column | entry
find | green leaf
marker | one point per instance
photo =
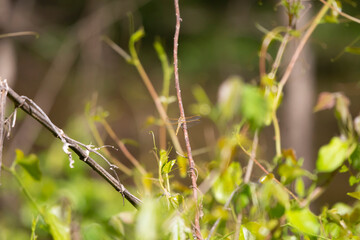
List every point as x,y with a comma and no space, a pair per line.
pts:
355,158
254,106
289,173
168,166
148,220
332,155
178,228
300,187
354,195
304,221
253,231
333,230
353,50
271,191
229,98
353,180
94,232
29,163
59,228
227,182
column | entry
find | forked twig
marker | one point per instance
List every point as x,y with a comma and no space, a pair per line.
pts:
182,116
34,111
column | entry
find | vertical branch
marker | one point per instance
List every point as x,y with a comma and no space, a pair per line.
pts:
3,93
252,157
182,116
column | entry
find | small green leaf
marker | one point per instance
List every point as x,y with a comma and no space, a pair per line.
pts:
354,195
304,221
168,166
164,157
332,155
300,187
353,180
29,163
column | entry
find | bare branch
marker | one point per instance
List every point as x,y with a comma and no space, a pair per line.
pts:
182,116
34,111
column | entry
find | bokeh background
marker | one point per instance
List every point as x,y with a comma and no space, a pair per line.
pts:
68,65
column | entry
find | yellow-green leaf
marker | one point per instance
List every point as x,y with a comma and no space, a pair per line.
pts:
332,155
304,221
29,163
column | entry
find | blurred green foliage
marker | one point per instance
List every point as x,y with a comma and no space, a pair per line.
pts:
42,198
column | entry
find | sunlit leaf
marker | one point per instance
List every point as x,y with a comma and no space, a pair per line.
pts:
353,180
117,225
342,108
182,163
58,226
288,173
242,198
354,195
326,100
148,220
178,228
167,167
266,178
304,221
353,50
273,191
229,98
29,163
177,200
357,125
253,231
332,155
333,230
254,106
164,156
147,181
289,153
300,187
227,182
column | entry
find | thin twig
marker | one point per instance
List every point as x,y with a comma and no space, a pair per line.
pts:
123,148
298,50
342,13
267,173
182,116
28,106
289,69
19,34
252,157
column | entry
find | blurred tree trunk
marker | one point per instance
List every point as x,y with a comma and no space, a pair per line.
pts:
7,53
297,119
